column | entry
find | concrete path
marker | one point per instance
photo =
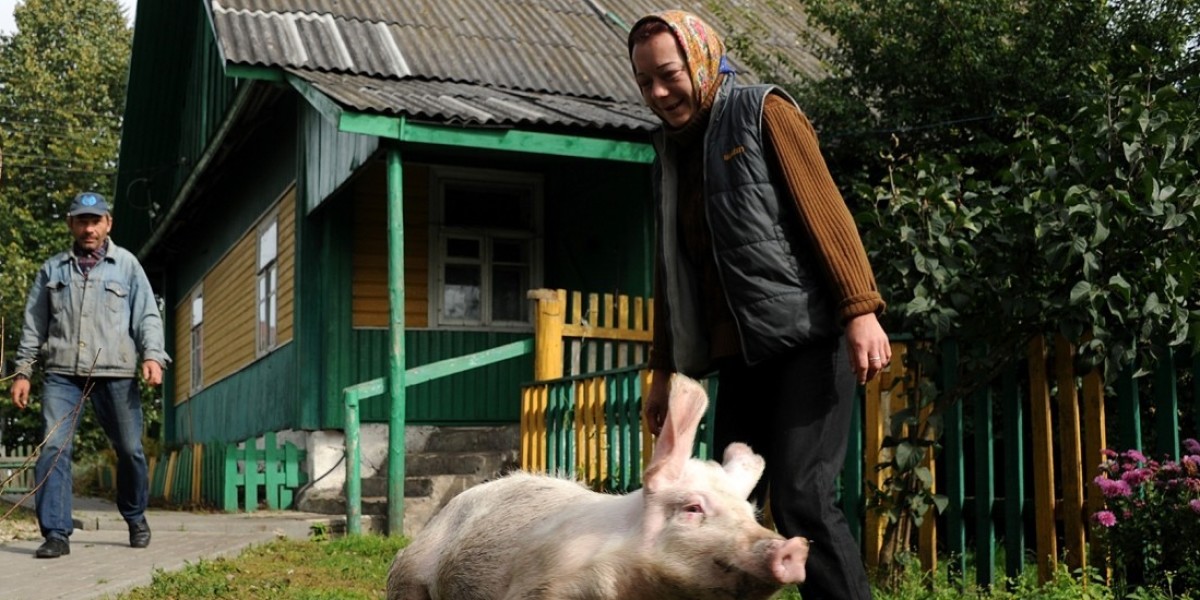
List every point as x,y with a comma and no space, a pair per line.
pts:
102,564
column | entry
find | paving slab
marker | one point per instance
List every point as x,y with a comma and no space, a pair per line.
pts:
102,565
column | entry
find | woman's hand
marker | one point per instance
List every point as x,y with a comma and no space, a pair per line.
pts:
868,345
654,406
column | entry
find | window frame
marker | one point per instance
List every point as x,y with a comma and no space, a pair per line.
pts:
196,341
440,234
264,344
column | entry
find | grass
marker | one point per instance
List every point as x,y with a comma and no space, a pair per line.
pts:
355,567
348,568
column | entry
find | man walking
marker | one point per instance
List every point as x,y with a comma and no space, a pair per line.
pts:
91,313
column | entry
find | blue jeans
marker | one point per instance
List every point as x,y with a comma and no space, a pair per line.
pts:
118,407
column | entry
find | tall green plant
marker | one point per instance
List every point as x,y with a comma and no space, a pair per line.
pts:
1090,229
62,97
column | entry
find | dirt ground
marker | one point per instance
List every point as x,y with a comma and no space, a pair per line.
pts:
19,524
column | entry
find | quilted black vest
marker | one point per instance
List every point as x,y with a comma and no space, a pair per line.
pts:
773,286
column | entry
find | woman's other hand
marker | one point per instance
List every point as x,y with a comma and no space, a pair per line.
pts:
868,345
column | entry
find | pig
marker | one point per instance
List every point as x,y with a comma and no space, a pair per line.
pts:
689,533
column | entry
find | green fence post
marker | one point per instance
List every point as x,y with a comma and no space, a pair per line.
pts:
251,478
1129,412
985,491
1166,405
291,474
1014,474
633,417
852,469
272,473
952,421
229,501
1196,391
181,487
614,394
158,478
557,431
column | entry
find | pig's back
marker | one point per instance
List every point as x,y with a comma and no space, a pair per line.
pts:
467,549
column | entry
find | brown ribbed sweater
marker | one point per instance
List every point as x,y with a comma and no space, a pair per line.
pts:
833,237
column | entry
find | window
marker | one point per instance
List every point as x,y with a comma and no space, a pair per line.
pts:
487,248
197,356
268,284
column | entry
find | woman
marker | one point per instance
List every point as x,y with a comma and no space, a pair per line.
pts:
761,277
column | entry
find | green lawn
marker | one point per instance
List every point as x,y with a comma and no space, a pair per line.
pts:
355,567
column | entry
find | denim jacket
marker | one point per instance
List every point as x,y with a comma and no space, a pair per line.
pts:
96,325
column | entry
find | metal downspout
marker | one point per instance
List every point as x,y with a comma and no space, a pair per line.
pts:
396,374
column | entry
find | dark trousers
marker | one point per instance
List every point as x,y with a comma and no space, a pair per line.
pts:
795,411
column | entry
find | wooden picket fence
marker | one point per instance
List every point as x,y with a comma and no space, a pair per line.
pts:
580,340
1031,472
230,477
16,469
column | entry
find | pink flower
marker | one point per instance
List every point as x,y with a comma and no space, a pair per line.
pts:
1136,477
1109,453
1105,518
1113,488
1195,505
1191,446
1134,455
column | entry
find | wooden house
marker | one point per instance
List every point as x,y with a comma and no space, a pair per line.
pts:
291,170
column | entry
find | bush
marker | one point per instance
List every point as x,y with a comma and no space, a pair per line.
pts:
1151,521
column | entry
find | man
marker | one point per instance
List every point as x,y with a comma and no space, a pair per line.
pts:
91,313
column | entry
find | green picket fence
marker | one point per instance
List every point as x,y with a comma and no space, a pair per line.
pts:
1017,457
16,469
230,477
589,427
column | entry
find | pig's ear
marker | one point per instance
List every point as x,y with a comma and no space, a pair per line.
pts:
744,468
686,407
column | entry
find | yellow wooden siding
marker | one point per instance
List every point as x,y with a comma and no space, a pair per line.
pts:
229,311
370,278
287,267
230,304
181,356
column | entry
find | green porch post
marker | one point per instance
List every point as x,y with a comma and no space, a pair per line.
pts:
396,376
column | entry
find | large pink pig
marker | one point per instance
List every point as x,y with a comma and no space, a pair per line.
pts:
688,534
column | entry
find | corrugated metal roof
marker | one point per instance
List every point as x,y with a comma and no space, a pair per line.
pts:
456,102
535,46
554,62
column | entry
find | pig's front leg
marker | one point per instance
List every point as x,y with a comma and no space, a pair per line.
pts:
403,581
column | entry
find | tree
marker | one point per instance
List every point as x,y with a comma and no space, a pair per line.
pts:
62,96
930,76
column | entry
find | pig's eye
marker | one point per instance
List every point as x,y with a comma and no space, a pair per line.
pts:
694,508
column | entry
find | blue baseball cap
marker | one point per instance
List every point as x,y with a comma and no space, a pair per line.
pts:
88,203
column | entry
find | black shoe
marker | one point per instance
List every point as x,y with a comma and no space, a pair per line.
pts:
53,548
139,534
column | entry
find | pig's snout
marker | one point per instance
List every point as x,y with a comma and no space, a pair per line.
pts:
787,560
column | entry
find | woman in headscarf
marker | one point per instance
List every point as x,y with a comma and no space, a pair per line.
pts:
761,277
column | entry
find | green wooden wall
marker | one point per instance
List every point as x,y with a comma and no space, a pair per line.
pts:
257,399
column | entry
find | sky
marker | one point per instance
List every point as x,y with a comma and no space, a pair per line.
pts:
7,25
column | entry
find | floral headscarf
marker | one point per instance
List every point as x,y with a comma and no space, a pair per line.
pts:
702,48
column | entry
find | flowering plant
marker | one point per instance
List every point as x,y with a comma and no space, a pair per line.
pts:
1151,521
